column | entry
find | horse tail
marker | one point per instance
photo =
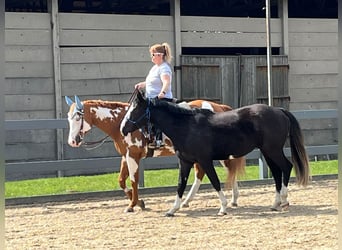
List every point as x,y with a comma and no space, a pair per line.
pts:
299,155
235,168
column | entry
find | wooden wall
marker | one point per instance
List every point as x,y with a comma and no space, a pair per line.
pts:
103,56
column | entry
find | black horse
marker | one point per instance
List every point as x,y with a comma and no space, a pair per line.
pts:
202,136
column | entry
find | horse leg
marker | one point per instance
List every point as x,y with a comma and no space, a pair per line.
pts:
132,165
277,176
183,176
286,168
235,167
199,174
123,177
214,180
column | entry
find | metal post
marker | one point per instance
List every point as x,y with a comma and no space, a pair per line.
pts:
269,53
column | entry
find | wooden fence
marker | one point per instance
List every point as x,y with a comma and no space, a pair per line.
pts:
38,169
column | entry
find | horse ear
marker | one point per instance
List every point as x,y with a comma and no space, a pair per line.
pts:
68,100
79,104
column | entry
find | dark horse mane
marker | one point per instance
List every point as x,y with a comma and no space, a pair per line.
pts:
176,109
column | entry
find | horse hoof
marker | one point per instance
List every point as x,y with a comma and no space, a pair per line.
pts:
169,215
129,210
142,204
222,213
234,204
285,206
185,205
274,209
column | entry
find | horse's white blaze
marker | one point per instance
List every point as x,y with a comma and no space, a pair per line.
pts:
132,166
192,192
104,113
74,129
207,105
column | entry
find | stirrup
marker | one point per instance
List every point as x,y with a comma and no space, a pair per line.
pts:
156,144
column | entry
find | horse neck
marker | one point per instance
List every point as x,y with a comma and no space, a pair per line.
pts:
165,121
105,116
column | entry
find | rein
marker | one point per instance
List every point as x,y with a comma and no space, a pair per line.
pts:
100,142
147,114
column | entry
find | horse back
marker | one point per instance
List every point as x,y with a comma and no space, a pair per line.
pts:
213,106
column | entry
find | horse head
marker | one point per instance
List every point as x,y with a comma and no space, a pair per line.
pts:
77,125
138,114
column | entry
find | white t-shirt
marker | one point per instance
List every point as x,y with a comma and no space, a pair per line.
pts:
154,83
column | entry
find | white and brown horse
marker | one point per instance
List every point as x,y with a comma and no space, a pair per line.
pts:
107,116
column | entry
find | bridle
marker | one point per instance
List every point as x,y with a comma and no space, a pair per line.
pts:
81,134
146,115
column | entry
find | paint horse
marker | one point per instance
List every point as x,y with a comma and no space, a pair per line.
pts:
203,136
107,116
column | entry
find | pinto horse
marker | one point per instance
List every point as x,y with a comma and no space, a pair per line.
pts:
107,116
203,136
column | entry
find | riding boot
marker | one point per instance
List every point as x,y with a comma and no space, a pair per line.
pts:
158,140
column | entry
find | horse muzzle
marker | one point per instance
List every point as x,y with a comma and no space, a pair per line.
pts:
76,142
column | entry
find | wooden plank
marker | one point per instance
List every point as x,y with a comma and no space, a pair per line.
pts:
298,105
202,39
314,95
28,114
22,53
106,150
313,53
57,74
28,69
36,124
313,67
105,54
104,70
113,38
312,39
30,151
29,102
313,114
228,24
100,86
28,37
327,124
27,86
230,80
73,21
316,25
26,20
313,81
15,136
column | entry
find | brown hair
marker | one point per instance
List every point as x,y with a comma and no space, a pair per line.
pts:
162,48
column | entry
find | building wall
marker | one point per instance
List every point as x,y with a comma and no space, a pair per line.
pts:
103,56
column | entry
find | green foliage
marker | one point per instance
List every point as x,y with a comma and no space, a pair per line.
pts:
155,178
